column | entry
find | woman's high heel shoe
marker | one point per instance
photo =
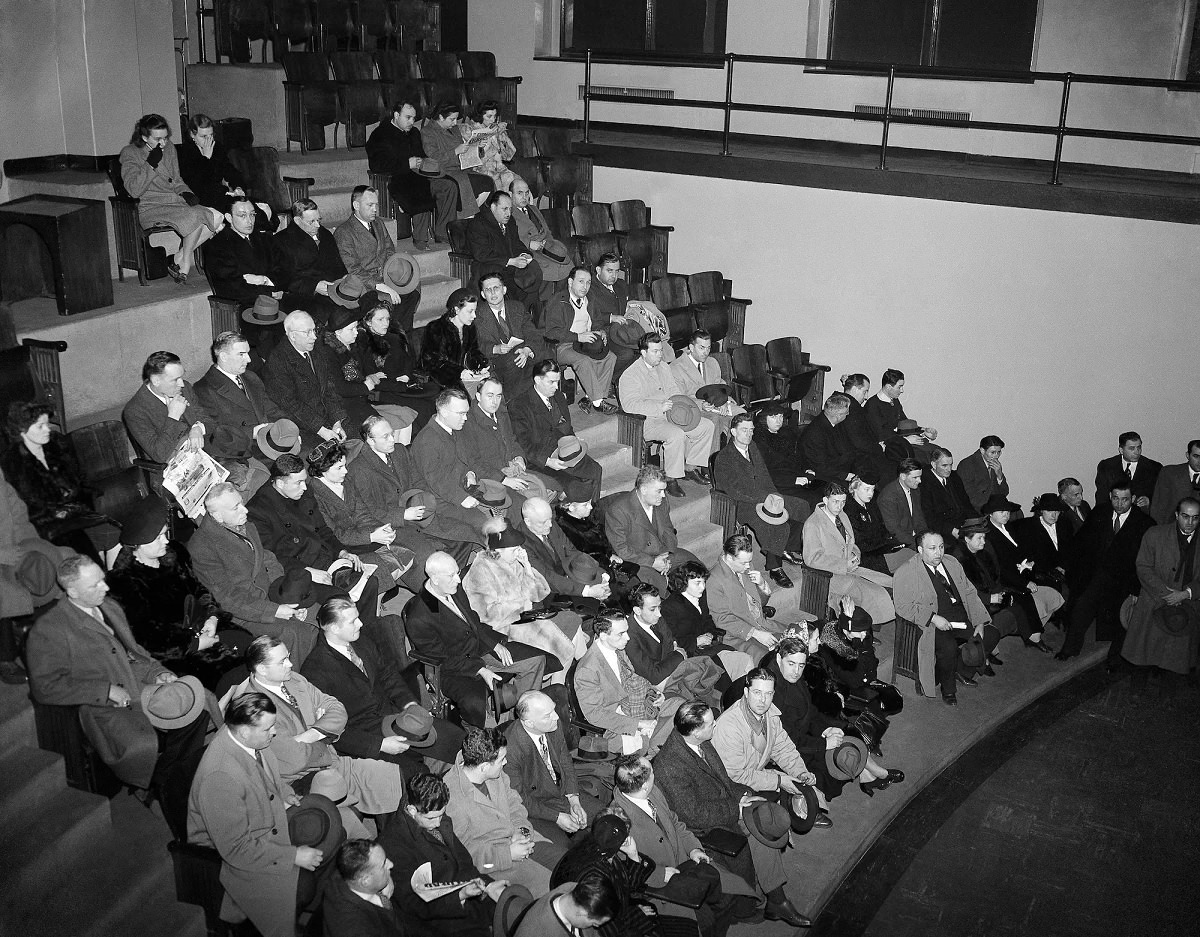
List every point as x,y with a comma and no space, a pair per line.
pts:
871,787
894,775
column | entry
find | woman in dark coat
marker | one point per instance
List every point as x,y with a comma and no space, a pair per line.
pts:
449,349
170,613
779,443
353,372
1011,608
583,524
206,170
685,610
880,550
855,428
389,352
40,465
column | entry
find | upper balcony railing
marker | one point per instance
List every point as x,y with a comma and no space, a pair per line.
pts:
1060,131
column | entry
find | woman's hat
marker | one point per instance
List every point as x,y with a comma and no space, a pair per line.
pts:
868,476
416,498
143,522
508,537
265,311
684,412
402,273
609,831
1050,501
279,438
571,450
973,525
578,490
341,317
804,809
315,822
347,292
767,822
584,570
998,503
772,509
294,587
848,759
414,724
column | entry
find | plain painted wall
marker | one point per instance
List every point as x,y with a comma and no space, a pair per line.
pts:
1055,331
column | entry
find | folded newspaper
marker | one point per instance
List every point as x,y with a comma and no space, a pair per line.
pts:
426,889
188,476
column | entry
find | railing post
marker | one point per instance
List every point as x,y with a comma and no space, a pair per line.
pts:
728,102
887,117
587,95
1062,127
200,30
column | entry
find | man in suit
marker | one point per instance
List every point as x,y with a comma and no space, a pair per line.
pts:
536,235
824,450
647,387
576,908
358,900
239,261
696,368
569,322
371,687
640,530
540,769
1175,482
490,818
491,447
228,557
945,502
443,460
660,659
608,294
540,418
165,413
472,656
299,381
1128,465
1077,509
982,474
699,789
737,599
237,400
366,247
496,246
661,835
900,504
82,653
238,806
884,411
506,335
1102,571
308,265
553,555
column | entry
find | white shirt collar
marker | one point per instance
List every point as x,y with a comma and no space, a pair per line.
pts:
253,753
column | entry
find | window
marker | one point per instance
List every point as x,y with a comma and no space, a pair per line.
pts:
646,28
997,34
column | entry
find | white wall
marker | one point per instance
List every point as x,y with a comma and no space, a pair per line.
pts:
1123,37
1055,331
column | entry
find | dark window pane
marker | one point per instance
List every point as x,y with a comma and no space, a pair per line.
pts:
612,25
987,34
679,26
878,30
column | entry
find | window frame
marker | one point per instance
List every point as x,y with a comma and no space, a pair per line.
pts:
649,56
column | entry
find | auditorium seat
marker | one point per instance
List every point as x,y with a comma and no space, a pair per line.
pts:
132,237
31,371
478,70
594,232
645,245
311,99
337,25
359,96
399,79
787,357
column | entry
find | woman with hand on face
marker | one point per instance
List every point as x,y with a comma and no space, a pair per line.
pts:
207,171
491,134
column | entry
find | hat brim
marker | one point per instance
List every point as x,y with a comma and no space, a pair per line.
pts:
390,728
430,510
768,519
693,410
574,460
835,770
753,829
275,594
413,282
429,173
177,722
514,900
262,439
581,755
812,810
277,319
341,301
334,831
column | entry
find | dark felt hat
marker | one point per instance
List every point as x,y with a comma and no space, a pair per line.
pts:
768,823
341,317
847,760
37,573
493,495
908,428
869,476
713,394
347,292
294,586
998,503
414,723
514,901
973,652
594,748
626,334
578,491
595,349
508,537
143,522
804,809
584,570
609,831
315,822
1050,501
684,412
1172,620
416,498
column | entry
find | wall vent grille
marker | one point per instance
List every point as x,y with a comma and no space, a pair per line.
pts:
956,116
661,93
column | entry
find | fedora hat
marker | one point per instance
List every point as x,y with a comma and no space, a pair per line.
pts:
1050,501
554,255
595,349
684,412
714,394
402,273
492,495
514,901
767,822
508,537
265,311
594,748
429,168
626,334
847,760
908,428
414,724
175,704
974,525
584,570
416,498
279,438
571,450
347,291
38,574
804,809
507,692
143,522
340,318
315,822
1172,620
772,509
973,652
998,503
295,586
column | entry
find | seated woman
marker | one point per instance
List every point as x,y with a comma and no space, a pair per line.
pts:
40,465
352,371
1012,608
583,525
206,170
170,613
150,171
450,341
501,585
780,448
1017,570
847,654
490,134
389,352
685,610
878,549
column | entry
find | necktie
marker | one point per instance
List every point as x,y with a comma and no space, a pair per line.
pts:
1116,524
625,664
287,695
266,775
437,834
941,571
841,527
1130,468
1196,479
545,749
357,661
241,386
308,358
751,600
502,321
700,368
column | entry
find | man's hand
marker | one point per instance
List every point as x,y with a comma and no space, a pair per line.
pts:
384,290
765,638
166,677
748,799
257,279
503,655
520,847
1142,502
308,858
577,810
942,624
554,464
807,778
669,873
413,514
520,262
662,563
394,745
667,405
286,611
119,696
704,640
354,561
756,577
1024,566
195,438
322,287
853,563
414,163
699,855
567,823
833,737
599,591
372,381
326,434
928,432
629,847
517,484
1175,598
996,598
490,677
523,355
470,502
300,614
309,736
789,784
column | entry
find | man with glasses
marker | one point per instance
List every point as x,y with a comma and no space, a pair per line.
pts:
298,379
506,335
238,260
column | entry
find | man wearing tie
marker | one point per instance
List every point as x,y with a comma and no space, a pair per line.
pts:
696,368
506,335
1077,509
900,504
1129,465
239,261
737,600
298,379
982,474
1175,482
570,321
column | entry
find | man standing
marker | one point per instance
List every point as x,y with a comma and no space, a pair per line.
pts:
640,530
1175,482
506,336
165,413
496,246
578,338
648,387
443,461
366,248
696,368
901,506
982,474
945,502
1128,465
299,381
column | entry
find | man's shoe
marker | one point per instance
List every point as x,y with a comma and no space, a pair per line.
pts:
674,489
987,670
780,578
995,661
606,407
585,406
783,911
950,699
966,681
823,822
793,557
12,673
1063,655
694,475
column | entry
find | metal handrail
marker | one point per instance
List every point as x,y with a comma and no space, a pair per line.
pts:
891,72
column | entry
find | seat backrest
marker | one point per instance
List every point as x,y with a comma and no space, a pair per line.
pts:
750,367
305,67
375,17
458,236
435,65
251,18
260,167
336,18
112,167
476,66
294,20
681,324
394,65
102,449
629,214
530,170
558,220
640,291
786,355
445,91
591,218
17,380
670,292
411,90
524,140
706,287
714,319
553,141
352,66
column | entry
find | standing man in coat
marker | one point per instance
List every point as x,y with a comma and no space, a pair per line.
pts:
1175,482
1128,465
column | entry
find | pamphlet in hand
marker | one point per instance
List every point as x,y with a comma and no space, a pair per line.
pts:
424,886
959,624
469,158
188,476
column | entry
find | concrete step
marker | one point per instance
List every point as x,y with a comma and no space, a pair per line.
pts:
31,777
330,169
16,719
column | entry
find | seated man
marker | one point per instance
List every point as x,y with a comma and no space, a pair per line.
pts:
239,261
576,907
506,335
554,556
639,527
695,369
366,248
634,716
238,403
1077,511
884,411
490,819
1128,465
577,337
396,147
1181,480
659,658
824,450
496,247
443,626
647,387
309,722
982,474
541,771
700,791
900,504
298,379
541,418
309,267
491,447
442,141
742,474
82,653
880,550
165,413
229,559
358,900
737,599
238,806
536,235
933,592
945,500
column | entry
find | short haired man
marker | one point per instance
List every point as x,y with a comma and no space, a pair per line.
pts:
299,380
825,452
884,411
367,249
534,232
1071,491
554,556
238,261
900,504
737,599
238,806
982,474
496,246
695,369
443,142
573,908
358,900
640,529
165,413
932,591
308,266
494,450
490,819
658,657
1175,482
570,323
506,335
1129,465
945,501
443,459
647,387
